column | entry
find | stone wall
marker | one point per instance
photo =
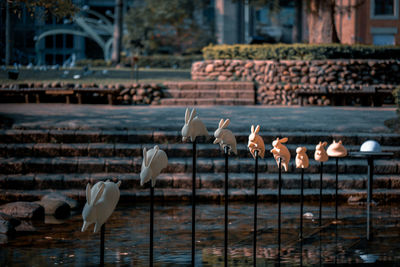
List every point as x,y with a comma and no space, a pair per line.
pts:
278,82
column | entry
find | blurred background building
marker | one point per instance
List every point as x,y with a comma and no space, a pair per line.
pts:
224,21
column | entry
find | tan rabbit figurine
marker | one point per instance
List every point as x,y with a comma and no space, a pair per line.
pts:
154,161
302,158
320,152
337,150
225,137
281,151
256,142
193,126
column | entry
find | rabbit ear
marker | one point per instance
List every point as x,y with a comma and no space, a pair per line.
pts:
257,129
340,142
252,128
145,156
187,115
226,123
220,123
324,143
334,142
284,140
88,196
154,155
192,115
320,143
99,194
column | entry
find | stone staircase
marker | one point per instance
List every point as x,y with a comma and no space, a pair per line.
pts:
209,93
35,162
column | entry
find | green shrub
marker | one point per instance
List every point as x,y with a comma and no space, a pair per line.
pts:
155,61
300,51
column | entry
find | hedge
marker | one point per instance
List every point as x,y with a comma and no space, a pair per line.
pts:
300,51
155,61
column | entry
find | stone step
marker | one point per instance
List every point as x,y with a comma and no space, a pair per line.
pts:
181,165
209,85
383,196
43,181
208,94
206,101
174,136
135,150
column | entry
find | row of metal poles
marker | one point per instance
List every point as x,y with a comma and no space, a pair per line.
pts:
279,199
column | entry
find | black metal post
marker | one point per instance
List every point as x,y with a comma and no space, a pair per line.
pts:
102,232
301,204
194,203
151,223
226,150
320,194
369,196
336,189
279,208
255,208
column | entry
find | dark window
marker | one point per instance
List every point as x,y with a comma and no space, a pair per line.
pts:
384,7
49,59
59,41
49,43
69,42
30,43
59,59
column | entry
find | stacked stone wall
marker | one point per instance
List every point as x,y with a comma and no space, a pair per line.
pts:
278,82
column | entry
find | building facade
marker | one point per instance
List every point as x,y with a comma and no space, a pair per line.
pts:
229,21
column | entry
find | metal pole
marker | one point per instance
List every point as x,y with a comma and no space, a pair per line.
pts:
102,231
255,209
320,193
226,150
301,203
194,203
336,189
151,223
8,35
369,196
279,208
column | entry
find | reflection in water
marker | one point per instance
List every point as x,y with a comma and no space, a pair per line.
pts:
127,238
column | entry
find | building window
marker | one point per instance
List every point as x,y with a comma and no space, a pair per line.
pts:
383,39
384,9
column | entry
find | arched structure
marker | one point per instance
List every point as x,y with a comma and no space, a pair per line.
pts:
90,28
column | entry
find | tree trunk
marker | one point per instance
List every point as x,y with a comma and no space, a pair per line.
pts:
321,22
117,42
8,35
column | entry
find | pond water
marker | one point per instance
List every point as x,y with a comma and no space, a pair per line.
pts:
60,243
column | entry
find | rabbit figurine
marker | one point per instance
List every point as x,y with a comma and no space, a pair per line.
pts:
101,200
225,137
336,149
302,158
193,126
320,152
256,142
154,161
281,151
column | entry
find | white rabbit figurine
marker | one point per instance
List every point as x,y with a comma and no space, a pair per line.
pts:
101,200
154,161
281,151
225,137
320,152
302,158
256,142
193,126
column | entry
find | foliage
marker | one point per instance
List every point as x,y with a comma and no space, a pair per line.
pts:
165,25
154,61
300,51
396,94
58,8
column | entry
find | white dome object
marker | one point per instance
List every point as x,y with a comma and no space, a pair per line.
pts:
371,146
